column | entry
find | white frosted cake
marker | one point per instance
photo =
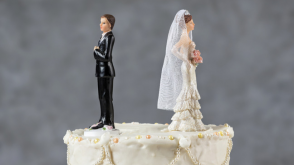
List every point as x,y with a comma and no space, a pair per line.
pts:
146,144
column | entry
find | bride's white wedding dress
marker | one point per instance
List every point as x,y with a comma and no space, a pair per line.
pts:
187,115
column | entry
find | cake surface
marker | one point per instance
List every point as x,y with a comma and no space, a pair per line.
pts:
146,144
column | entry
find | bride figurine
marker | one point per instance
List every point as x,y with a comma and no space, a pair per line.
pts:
178,87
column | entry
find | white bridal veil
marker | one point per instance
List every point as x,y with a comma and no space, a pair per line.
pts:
171,77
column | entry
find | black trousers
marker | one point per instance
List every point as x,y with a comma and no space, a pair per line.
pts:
105,91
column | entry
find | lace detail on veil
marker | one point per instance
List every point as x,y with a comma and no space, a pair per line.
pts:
171,78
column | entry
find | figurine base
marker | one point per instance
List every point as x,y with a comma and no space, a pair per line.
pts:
99,132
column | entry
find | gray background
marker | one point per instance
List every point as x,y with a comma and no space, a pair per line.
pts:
47,83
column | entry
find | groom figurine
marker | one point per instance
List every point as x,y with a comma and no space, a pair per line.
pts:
105,72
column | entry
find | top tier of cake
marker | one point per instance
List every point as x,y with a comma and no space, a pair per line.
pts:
146,144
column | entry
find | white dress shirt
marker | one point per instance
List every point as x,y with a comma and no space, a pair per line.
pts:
103,34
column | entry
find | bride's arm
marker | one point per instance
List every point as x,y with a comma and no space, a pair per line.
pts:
176,52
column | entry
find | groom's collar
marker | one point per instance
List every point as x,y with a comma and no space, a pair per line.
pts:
106,34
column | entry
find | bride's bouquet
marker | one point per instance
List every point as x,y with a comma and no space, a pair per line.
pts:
196,58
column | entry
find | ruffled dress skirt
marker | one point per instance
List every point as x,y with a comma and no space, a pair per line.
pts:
187,117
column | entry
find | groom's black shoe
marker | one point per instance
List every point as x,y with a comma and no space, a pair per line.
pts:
110,124
113,126
97,125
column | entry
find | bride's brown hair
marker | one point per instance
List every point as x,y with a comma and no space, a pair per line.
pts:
188,18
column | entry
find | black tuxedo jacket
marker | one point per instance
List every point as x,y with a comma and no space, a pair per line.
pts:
103,56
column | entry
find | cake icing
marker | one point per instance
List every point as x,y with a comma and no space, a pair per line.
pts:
146,144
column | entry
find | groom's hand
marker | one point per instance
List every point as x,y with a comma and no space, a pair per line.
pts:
96,47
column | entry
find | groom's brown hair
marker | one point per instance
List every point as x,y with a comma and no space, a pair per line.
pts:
110,18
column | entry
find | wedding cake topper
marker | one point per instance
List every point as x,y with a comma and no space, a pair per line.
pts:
105,73
178,87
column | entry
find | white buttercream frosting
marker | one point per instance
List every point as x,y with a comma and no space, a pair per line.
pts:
184,142
145,144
